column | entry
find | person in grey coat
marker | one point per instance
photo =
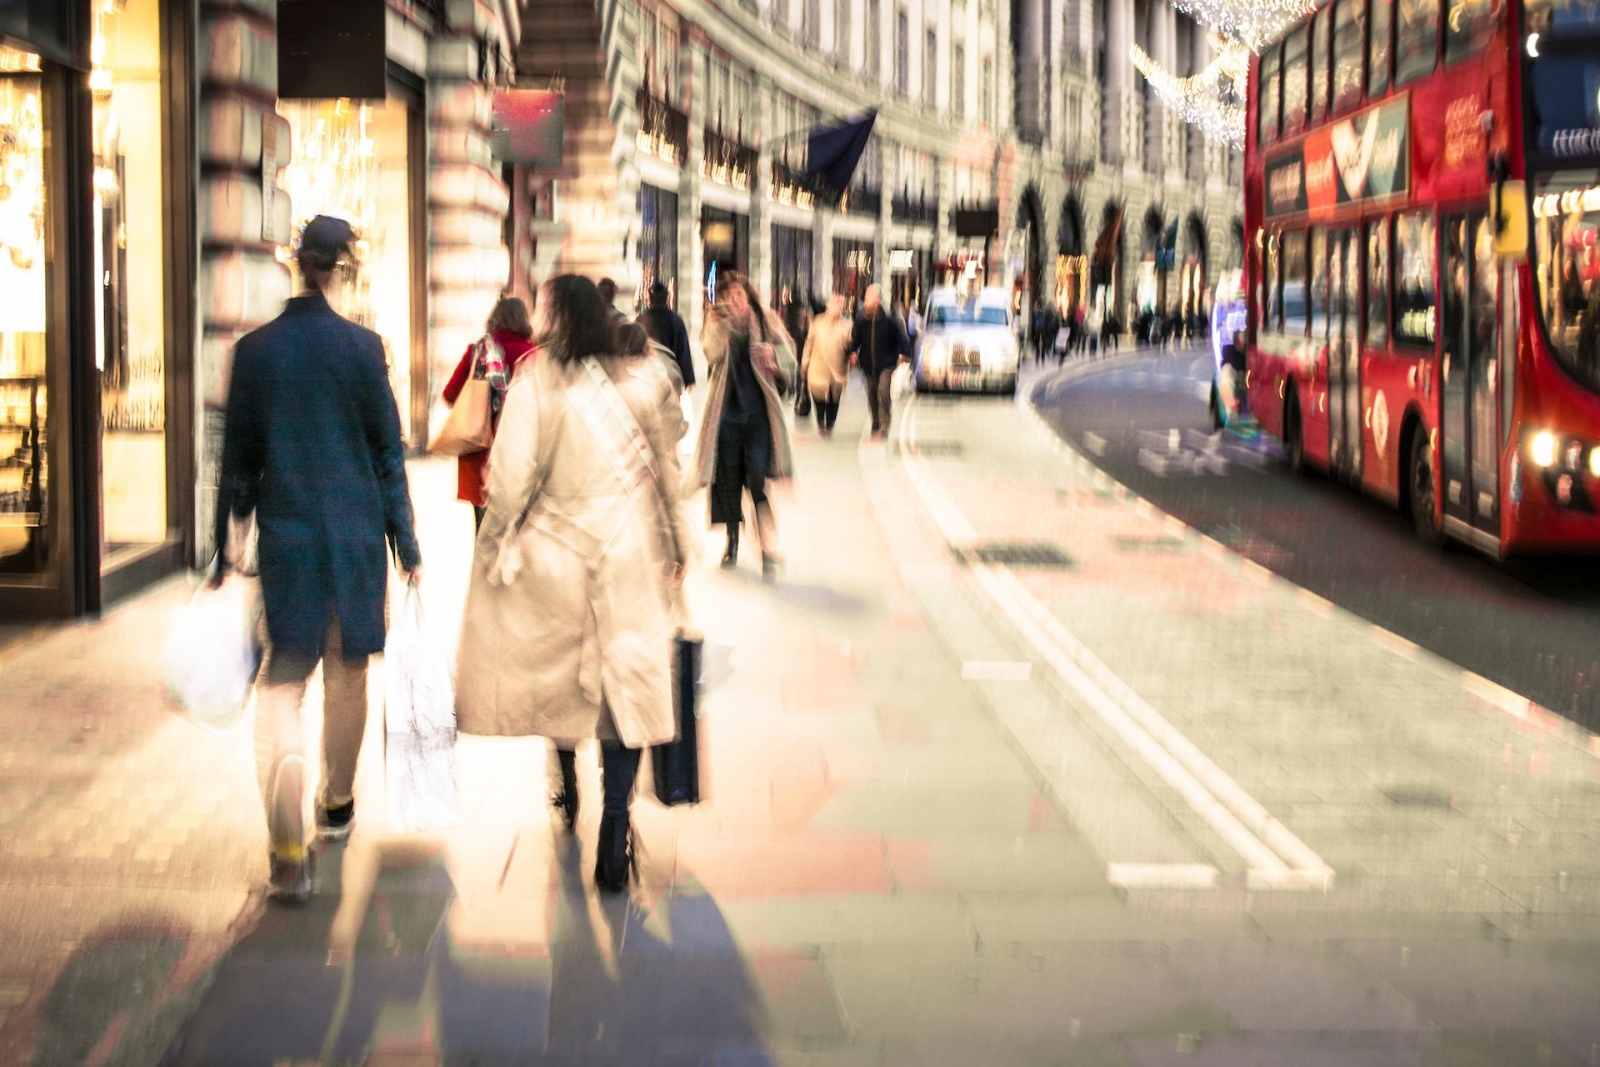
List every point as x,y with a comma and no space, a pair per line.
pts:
312,446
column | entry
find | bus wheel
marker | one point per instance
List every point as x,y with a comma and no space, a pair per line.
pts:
1294,437
1424,512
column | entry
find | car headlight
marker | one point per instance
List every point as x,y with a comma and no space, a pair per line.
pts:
1542,449
935,354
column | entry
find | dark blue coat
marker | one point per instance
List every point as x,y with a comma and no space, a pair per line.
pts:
312,445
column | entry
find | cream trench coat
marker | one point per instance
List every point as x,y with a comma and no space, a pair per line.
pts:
567,632
714,340
825,367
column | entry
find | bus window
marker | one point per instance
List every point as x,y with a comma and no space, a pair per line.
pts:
1416,250
1269,96
1319,285
1378,282
1468,26
1567,269
1294,284
1294,83
1319,67
1348,21
1418,46
1378,47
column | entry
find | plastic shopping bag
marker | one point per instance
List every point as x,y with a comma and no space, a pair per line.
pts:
419,726
900,382
214,651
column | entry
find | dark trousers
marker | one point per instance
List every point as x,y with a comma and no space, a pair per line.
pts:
744,455
619,769
878,398
477,516
826,405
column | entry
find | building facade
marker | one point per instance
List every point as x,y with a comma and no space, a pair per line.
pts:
686,136
159,157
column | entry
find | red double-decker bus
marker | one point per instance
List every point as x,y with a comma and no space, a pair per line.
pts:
1422,184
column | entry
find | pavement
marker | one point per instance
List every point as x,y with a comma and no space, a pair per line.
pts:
1009,768
1529,625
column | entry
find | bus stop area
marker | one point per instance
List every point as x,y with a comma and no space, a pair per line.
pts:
1008,767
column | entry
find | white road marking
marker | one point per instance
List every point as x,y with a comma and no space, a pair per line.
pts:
1275,858
996,671
1161,875
1095,443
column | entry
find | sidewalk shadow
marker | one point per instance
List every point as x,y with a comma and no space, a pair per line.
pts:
818,599
628,995
390,981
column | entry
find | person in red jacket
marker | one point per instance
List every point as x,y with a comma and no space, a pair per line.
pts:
513,333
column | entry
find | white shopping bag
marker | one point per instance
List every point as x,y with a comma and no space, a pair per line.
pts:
419,726
900,382
214,651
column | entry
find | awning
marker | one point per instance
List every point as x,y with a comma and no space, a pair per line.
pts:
836,152
1105,246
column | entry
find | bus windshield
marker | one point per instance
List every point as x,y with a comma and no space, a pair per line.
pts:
1566,219
1563,16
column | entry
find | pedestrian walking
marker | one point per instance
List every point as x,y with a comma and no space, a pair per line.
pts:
877,346
744,438
567,630
608,297
666,328
825,363
312,446
507,341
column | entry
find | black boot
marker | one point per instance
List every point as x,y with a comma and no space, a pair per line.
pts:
566,801
730,558
614,861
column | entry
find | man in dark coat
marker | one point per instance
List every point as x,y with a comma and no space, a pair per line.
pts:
312,446
666,329
877,346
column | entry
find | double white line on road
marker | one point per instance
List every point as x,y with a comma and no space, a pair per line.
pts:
1274,857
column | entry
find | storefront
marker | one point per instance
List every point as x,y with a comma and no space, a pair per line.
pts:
853,269
792,277
363,160
658,239
910,271
725,237
96,301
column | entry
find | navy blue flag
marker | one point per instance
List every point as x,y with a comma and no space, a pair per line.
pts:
836,150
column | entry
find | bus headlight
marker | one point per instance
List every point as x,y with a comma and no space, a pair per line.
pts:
1594,462
1542,449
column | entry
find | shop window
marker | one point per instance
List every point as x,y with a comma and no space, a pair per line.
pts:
129,260
352,160
1348,30
1267,117
1295,59
26,508
958,81
930,68
1379,46
1294,284
1417,49
658,240
1377,315
1416,251
1319,65
1468,27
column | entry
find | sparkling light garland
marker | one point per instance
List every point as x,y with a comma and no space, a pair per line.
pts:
1213,100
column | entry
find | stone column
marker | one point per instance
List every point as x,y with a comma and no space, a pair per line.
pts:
760,202
241,219
1118,112
943,187
468,263
1162,50
691,250
887,177
1030,75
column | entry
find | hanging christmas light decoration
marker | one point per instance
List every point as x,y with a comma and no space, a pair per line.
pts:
1213,99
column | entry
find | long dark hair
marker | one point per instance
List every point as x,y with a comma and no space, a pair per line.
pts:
578,325
734,280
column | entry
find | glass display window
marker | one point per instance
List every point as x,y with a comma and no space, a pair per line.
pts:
129,225
25,431
352,160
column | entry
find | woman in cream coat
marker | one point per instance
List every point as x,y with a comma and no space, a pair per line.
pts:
567,633
825,366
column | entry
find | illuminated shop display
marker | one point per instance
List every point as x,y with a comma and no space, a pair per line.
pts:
24,400
350,161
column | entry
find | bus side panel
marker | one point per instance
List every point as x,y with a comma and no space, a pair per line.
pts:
1314,404
1389,386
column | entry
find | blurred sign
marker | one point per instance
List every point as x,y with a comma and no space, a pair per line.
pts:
528,127
901,259
977,222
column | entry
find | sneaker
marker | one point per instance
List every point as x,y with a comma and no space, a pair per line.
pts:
333,822
290,880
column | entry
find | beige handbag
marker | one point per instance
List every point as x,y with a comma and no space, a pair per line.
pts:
469,427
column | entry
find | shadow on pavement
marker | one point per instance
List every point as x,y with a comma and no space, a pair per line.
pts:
371,970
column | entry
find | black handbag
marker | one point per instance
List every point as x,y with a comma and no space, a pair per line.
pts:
675,766
802,403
